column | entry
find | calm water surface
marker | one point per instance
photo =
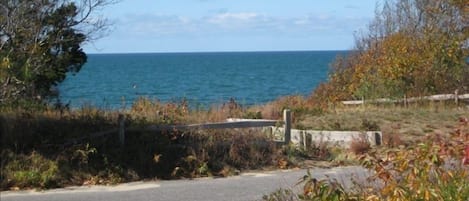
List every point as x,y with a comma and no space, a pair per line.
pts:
112,80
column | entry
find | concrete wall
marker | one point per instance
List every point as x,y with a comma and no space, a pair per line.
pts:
338,138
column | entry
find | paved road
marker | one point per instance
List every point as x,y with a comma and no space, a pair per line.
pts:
247,186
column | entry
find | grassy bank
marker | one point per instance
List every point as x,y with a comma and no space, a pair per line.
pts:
404,125
45,147
48,147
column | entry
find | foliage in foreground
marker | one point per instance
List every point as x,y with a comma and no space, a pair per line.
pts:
431,170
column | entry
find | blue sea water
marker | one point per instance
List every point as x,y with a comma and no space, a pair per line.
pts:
204,79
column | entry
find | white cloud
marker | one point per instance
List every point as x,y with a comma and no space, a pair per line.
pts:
236,23
239,22
223,17
145,25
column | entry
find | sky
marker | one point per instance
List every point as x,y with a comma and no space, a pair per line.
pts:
232,25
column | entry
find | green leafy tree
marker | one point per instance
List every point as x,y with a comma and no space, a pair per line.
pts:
40,42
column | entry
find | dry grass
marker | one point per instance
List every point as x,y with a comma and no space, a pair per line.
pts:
41,133
360,145
398,124
51,136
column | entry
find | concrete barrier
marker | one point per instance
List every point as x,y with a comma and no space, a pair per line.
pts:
307,138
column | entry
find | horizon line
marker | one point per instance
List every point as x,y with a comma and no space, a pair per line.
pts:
222,51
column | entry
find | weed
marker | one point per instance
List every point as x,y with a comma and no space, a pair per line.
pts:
81,157
253,115
30,170
295,154
281,195
314,189
392,140
368,125
360,145
297,104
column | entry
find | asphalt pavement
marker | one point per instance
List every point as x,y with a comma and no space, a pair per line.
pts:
245,187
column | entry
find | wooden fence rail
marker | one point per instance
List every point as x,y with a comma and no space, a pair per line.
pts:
217,125
294,136
230,124
440,97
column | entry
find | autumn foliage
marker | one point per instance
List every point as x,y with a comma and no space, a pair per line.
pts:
411,48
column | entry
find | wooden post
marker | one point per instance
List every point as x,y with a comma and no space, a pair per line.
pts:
304,140
121,122
287,120
378,139
456,97
405,100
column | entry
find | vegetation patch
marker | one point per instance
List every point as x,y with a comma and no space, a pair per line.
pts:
431,170
49,148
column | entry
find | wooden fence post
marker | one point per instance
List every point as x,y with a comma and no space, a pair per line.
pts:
405,100
121,122
287,128
456,97
304,140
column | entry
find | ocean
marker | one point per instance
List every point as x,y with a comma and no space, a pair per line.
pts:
203,79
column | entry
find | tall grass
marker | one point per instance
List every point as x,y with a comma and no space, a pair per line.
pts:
59,138
50,147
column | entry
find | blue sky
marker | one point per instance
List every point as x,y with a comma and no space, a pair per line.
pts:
232,25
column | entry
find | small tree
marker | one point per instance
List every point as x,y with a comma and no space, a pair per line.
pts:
40,41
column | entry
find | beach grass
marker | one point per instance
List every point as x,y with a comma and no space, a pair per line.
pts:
48,147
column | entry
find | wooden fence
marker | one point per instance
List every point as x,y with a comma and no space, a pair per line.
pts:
230,124
440,97
294,136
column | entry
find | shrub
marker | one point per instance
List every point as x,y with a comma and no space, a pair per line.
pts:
410,49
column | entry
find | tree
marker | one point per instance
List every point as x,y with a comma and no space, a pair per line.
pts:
412,47
40,42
